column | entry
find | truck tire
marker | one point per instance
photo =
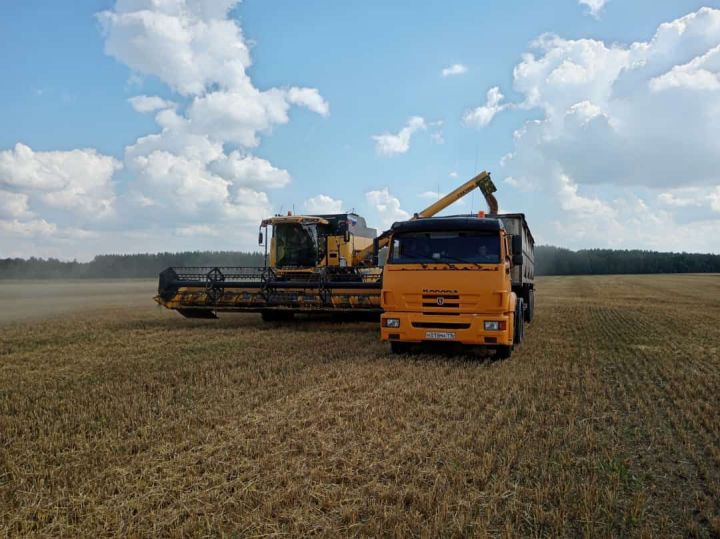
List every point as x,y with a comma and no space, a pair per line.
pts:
530,307
519,333
397,347
503,352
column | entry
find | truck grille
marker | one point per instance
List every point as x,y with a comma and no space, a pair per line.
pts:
440,301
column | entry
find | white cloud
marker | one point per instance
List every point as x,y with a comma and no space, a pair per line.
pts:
455,69
309,98
197,230
190,45
483,115
387,206
195,174
13,204
700,202
200,52
77,180
570,201
701,74
32,227
594,6
640,120
715,199
250,171
323,204
144,103
389,144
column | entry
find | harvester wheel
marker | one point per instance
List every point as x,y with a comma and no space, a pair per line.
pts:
397,347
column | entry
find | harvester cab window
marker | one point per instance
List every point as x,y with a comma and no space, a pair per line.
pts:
457,246
296,245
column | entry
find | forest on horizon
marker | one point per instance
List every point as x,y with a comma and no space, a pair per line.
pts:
549,260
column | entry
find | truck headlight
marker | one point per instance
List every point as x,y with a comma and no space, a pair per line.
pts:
391,322
493,325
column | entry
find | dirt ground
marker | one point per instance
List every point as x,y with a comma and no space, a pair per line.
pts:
128,420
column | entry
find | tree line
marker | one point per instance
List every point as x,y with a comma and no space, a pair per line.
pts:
549,260
121,266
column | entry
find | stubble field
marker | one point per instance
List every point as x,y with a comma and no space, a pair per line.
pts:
131,421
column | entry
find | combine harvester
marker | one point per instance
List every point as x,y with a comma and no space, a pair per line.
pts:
313,264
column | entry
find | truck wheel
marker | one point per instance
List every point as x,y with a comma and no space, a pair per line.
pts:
519,321
530,309
503,352
397,347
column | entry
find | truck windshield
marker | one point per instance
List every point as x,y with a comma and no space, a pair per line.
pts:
296,245
473,247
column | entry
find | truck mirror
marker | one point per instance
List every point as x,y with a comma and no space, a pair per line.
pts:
260,238
517,259
517,244
347,236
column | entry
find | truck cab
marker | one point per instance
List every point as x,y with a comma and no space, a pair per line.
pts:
450,279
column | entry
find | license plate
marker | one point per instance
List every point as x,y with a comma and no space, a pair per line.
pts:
442,335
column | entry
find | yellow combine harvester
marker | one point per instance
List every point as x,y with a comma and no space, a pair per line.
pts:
313,263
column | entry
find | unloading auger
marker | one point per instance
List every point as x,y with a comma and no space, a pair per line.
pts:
313,264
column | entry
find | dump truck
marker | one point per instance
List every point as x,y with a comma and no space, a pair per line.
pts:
466,279
313,264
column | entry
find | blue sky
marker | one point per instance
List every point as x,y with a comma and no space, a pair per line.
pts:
605,136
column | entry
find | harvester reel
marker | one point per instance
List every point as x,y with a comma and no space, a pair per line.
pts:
213,289
214,293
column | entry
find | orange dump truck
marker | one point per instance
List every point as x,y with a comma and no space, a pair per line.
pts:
461,279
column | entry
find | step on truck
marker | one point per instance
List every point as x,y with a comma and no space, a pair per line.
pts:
466,279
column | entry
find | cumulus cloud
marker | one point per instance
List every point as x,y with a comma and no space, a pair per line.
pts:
715,199
190,45
144,103
250,171
13,205
195,174
455,69
389,144
594,7
323,204
642,118
483,115
387,206
76,181
197,230
201,53
309,98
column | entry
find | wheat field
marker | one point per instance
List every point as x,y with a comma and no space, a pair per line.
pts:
131,421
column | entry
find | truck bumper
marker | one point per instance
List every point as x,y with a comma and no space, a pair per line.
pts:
464,328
